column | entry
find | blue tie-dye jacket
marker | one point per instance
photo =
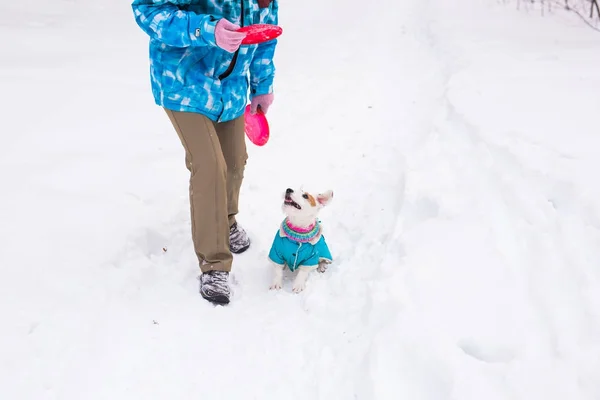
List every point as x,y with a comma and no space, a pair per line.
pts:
189,72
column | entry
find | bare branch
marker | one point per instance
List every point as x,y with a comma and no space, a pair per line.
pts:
593,21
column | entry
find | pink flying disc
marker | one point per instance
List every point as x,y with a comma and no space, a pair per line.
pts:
256,127
259,33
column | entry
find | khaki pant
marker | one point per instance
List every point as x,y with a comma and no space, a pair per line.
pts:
215,155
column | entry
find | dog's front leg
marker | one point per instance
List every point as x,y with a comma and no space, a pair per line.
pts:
277,276
300,281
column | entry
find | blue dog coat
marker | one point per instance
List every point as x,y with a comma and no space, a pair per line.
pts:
295,250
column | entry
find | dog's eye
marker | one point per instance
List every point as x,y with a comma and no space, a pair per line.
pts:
305,196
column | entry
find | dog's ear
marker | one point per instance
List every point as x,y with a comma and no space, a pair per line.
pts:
325,198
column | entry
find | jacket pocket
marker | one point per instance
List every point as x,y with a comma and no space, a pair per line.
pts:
190,67
240,65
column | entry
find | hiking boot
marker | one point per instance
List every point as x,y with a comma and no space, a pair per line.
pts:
214,286
238,239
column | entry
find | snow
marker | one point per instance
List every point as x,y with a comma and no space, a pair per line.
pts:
460,139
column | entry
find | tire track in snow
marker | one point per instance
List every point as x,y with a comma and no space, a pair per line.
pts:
459,176
558,235
550,243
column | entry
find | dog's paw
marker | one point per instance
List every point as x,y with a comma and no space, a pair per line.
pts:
275,286
299,287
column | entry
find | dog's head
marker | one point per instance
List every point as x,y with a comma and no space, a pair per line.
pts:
302,207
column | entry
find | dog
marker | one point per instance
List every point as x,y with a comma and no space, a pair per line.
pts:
299,243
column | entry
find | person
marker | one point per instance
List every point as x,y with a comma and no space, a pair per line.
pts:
202,76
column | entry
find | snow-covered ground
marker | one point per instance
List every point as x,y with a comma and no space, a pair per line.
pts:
461,139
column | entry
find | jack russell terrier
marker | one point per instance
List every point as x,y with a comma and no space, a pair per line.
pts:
299,243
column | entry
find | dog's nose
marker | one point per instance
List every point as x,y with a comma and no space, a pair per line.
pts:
289,191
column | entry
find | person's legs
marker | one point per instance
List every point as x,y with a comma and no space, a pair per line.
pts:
233,144
208,200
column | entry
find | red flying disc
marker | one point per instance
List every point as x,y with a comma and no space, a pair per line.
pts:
259,33
256,127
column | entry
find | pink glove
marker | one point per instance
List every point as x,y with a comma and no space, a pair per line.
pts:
226,36
263,100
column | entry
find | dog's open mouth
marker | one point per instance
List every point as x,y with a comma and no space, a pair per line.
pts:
289,202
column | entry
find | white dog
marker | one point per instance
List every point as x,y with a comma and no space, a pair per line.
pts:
299,243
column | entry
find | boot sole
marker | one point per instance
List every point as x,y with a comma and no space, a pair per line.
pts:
219,300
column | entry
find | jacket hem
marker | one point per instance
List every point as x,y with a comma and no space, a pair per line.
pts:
173,106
